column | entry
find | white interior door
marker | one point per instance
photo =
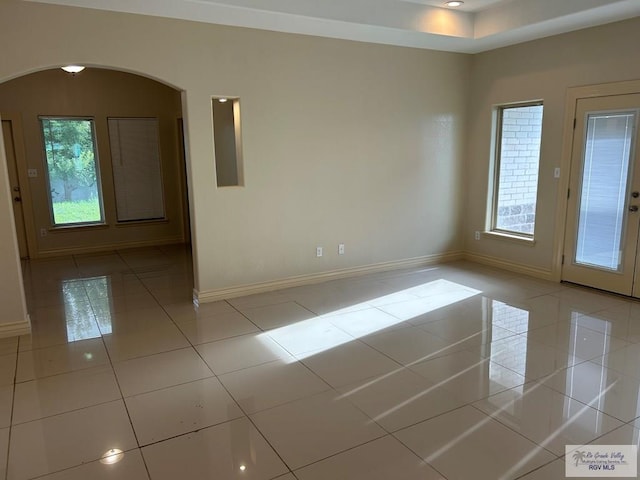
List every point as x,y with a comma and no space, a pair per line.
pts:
16,194
603,216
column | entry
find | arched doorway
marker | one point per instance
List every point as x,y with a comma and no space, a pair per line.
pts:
96,161
121,117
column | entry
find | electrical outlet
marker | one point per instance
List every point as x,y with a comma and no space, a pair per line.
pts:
43,232
318,251
341,249
477,236
32,173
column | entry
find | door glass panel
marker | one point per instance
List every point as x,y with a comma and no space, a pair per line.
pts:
605,176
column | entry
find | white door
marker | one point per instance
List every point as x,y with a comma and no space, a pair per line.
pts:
603,216
16,194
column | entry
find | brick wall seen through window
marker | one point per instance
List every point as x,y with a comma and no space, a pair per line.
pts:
519,135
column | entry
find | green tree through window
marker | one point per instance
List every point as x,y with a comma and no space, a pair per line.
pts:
71,164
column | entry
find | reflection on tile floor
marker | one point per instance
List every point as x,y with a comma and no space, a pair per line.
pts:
453,371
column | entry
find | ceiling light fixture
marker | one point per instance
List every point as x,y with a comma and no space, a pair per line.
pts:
222,100
112,456
73,69
454,4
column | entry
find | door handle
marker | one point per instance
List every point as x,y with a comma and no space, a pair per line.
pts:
633,208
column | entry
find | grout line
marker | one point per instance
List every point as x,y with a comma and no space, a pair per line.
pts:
80,279
122,399
59,414
536,469
137,276
193,347
124,403
191,432
66,469
181,384
494,417
245,316
69,372
350,449
13,401
250,420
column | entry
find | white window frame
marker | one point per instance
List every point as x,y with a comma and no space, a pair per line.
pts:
96,160
494,171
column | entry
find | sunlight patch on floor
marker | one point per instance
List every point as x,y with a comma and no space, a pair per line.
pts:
319,334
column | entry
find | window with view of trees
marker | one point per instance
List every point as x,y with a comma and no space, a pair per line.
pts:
72,167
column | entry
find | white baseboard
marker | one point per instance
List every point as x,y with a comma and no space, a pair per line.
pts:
107,248
510,266
250,289
15,329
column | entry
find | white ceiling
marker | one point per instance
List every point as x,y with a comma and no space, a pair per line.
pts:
477,26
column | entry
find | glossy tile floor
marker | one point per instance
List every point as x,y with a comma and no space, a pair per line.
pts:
455,371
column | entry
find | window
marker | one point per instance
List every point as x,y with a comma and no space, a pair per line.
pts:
137,173
227,141
517,158
72,170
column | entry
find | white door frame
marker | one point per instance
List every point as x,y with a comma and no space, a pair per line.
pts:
573,95
23,180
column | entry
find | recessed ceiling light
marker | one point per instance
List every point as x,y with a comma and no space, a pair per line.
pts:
73,68
112,456
454,4
222,100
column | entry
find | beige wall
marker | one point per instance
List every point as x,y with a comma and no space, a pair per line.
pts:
343,142
99,94
541,69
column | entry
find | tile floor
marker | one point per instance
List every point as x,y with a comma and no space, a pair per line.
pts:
455,371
